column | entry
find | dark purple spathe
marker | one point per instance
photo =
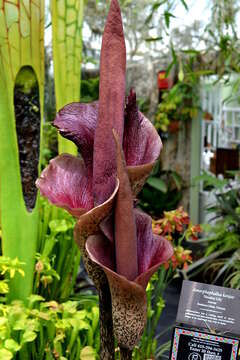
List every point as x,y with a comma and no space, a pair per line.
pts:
119,148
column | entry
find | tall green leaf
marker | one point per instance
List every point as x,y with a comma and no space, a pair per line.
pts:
67,17
21,44
184,4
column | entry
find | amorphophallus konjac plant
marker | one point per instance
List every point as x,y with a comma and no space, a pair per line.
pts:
118,148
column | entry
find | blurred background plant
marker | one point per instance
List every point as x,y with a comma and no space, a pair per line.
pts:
162,191
178,104
221,236
90,89
40,329
57,258
50,143
56,321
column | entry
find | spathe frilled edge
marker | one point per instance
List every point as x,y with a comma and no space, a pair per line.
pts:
89,224
129,305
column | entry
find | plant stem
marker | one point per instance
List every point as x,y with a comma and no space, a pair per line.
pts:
125,354
107,350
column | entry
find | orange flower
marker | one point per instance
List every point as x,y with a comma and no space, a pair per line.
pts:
195,230
167,228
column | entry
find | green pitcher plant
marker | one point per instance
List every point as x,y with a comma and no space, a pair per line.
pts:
21,111
67,17
118,148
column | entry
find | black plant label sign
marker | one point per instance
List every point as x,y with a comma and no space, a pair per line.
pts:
195,345
210,307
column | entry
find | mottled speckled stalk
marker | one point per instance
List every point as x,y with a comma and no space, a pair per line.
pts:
106,324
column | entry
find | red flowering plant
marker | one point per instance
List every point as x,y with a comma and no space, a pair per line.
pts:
118,148
176,226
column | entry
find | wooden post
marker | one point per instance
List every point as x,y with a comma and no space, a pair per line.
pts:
196,135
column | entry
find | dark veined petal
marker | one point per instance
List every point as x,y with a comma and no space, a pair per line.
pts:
163,252
138,176
129,304
107,227
65,183
141,144
153,250
77,122
102,249
89,224
111,104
